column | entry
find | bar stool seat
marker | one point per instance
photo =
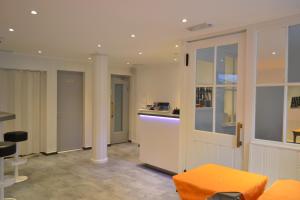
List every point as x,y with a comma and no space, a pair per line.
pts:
6,149
17,136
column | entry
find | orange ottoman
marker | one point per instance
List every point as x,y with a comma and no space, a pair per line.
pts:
283,190
205,181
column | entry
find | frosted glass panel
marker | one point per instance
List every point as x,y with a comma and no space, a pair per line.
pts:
204,119
204,110
271,55
294,54
226,110
118,108
269,113
205,66
227,64
293,115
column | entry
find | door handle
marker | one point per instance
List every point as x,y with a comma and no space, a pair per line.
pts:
238,135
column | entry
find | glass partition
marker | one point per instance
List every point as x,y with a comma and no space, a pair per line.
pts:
293,54
271,56
293,115
278,85
269,113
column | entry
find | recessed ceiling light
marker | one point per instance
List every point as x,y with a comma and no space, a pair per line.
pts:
176,45
184,20
11,29
98,45
40,52
89,58
140,53
175,59
128,63
274,53
34,12
132,35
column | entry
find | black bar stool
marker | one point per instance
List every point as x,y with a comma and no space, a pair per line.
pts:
17,137
6,149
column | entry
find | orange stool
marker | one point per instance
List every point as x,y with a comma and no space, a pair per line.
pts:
207,180
283,190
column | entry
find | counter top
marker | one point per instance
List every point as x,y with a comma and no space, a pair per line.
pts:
4,116
157,113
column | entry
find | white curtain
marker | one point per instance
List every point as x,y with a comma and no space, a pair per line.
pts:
24,93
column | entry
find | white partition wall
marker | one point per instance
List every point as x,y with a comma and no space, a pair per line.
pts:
275,161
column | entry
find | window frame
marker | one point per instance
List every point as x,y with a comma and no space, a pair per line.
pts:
285,85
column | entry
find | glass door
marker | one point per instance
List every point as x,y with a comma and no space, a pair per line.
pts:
119,109
216,76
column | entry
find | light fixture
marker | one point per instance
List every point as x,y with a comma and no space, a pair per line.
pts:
98,45
128,63
132,36
175,59
34,12
11,29
40,52
184,20
89,58
274,53
176,46
140,53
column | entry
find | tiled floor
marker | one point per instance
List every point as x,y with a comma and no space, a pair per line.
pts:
73,176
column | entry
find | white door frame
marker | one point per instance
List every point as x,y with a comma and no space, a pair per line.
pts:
125,117
188,97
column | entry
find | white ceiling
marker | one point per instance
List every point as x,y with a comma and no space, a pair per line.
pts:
73,28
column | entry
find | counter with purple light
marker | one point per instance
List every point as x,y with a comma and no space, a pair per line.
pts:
159,138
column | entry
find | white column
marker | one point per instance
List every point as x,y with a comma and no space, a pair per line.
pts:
100,108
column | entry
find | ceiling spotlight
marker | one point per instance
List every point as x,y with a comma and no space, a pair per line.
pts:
274,53
40,52
140,53
98,45
34,12
132,35
89,58
184,20
128,63
11,29
175,59
176,45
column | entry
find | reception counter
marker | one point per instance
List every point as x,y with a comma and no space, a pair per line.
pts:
159,139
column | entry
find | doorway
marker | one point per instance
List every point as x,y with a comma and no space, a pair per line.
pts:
119,109
215,101
69,110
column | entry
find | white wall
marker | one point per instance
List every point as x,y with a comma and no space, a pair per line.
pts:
51,66
156,83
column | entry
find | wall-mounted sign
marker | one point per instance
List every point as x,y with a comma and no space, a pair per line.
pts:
295,103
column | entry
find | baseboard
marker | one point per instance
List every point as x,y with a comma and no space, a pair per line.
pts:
157,169
86,148
49,154
134,141
102,161
89,148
